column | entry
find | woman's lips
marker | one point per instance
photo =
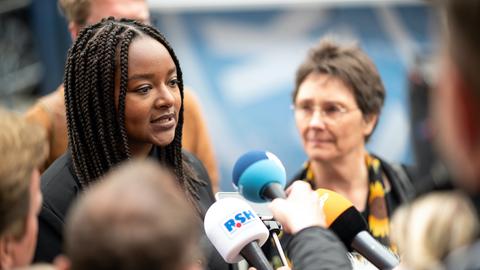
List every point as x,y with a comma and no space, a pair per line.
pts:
164,122
319,141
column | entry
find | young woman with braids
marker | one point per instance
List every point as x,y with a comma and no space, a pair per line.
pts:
123,95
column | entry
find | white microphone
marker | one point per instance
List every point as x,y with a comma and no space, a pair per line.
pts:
236,231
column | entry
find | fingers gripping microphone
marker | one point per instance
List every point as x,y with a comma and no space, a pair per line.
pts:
236,231
345,220
259,176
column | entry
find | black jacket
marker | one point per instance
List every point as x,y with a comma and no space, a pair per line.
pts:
60,187
316,248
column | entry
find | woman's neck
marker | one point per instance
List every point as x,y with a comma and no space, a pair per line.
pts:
347,176
140,150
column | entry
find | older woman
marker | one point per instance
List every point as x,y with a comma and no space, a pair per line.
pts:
337,101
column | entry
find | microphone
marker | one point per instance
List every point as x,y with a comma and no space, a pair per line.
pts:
349,225
259,176
236,231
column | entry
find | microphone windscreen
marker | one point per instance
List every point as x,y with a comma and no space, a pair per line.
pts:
231,224
255,170
348,225
334,204
341,216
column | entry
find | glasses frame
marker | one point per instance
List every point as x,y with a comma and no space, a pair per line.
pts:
328,117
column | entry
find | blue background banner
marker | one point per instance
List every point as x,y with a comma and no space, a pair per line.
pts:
242,64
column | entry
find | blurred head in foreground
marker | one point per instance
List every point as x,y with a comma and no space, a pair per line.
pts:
22,150
135,218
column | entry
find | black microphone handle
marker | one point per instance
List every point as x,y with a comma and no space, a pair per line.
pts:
373,251
273,191
253,254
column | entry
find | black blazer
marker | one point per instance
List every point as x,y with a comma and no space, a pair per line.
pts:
60,187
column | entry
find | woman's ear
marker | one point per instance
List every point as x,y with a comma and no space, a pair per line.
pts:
6,256
61,262
74,29
369,124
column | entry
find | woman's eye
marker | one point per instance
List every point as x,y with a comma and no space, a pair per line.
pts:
306,108
173,82
143,89
332,110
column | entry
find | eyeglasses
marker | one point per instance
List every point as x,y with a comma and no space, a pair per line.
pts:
329,112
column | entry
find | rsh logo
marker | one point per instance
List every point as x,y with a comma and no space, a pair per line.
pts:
239,220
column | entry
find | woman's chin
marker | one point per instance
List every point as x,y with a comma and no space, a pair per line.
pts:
163,141
321,154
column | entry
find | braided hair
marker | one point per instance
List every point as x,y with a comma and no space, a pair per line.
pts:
97,135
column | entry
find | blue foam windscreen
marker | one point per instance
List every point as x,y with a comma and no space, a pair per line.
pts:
254,170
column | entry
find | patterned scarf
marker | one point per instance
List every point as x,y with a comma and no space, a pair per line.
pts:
376,210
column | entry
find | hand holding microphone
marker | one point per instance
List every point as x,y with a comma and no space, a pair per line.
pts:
303,208
340,216
260,176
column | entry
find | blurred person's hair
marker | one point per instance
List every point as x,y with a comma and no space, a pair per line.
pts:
352,66
136,217
76,11
462,19
23,148
428,229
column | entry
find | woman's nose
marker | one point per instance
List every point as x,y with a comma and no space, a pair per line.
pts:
164,98
317,120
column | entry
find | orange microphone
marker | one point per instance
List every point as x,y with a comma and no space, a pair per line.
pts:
349,225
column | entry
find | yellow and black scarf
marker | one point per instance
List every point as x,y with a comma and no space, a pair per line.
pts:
376,211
